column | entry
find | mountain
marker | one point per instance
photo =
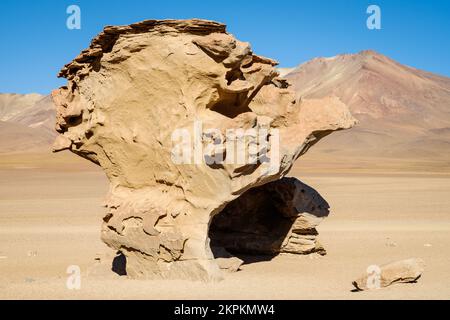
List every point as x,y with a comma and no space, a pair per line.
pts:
284,71
26,123
12,104
403,112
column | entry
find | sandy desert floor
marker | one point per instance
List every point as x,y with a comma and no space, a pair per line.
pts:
50,214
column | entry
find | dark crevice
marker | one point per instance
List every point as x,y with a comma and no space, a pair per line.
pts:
74,120
233,75
231,109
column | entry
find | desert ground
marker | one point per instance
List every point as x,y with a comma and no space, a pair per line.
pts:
381,211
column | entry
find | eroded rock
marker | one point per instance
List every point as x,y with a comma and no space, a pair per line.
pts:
139,88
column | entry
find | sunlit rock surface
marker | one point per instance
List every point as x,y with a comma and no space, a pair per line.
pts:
139,90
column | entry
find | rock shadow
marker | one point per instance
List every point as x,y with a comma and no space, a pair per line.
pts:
277,217
119,264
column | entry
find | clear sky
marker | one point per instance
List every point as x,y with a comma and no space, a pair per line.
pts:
35,42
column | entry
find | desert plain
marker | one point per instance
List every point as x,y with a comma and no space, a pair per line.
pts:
381,211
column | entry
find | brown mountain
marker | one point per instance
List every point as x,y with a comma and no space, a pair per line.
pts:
26,123
403,112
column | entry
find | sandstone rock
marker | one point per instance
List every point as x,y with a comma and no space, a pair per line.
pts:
402,271
143,94
231,264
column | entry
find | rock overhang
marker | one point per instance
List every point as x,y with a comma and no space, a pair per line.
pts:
138,84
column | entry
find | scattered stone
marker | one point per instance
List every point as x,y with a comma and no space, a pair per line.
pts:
32,253
231,264
390,243
404,271
98,257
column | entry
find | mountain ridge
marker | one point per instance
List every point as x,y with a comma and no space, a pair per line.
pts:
402,111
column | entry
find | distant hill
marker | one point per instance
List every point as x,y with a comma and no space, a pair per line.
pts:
403,112
26,123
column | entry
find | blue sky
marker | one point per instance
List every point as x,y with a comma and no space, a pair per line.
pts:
35,42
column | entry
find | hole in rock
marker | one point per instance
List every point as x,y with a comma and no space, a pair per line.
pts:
74,120
264,221
230,104
234,74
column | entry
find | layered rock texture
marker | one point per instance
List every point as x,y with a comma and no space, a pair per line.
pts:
139,89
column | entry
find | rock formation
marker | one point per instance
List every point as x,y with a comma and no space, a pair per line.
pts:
188,124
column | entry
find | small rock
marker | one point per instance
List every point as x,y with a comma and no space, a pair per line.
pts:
390,243
402,271
232,264
393,244
32,253
427,245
